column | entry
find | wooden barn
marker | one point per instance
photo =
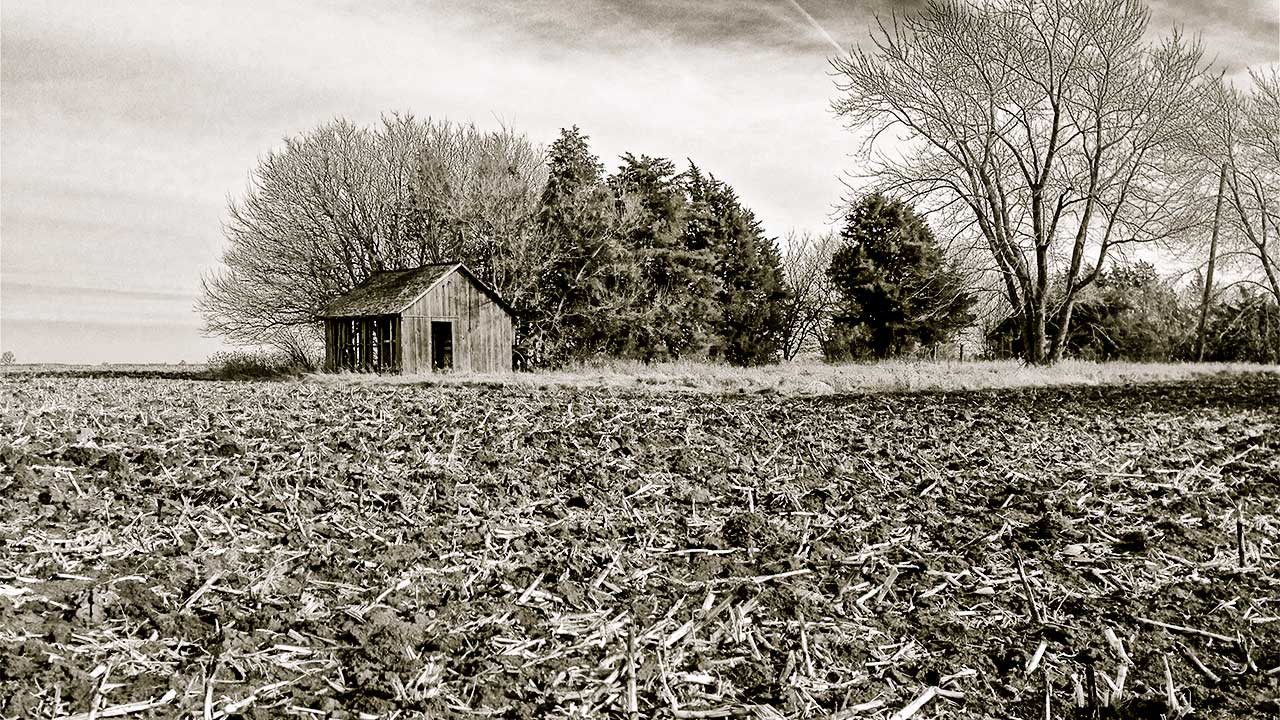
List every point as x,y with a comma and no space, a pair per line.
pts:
436,317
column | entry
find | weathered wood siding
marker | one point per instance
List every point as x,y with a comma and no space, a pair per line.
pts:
482,330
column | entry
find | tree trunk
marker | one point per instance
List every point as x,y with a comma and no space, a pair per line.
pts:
1034,334
1269,267
1059,347
1041,336
1213,257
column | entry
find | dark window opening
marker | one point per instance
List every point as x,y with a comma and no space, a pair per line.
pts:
369,344
441,345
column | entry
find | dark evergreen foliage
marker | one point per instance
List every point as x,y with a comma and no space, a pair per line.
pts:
748,267
1243,326
580,290
673,308
897,291
653,265
1131,313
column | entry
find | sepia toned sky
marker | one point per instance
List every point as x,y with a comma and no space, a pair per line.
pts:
127,124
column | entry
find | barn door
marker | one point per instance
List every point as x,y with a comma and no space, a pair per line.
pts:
441,345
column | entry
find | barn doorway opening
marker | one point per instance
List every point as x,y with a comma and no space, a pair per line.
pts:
441,345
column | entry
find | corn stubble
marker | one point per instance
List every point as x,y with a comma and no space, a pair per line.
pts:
178,547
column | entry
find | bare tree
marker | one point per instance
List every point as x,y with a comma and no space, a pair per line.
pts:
340,202
322,213
805,263
1252,161
478,193
1250,126
1206,296
1055,124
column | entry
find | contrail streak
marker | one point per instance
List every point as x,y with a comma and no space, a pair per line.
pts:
816,26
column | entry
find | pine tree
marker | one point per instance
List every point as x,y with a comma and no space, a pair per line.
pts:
897,290
584,289
652,265
675,310
747,268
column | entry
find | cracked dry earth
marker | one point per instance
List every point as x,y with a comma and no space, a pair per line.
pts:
191,548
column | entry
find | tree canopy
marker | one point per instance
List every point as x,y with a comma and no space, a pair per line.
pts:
1052,132
746,266
340,202
896,289
647,262
655,264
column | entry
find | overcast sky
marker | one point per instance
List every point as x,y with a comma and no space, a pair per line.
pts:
128,123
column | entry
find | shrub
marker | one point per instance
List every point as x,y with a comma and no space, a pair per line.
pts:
254,365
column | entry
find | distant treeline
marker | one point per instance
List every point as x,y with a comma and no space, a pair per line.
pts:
649,262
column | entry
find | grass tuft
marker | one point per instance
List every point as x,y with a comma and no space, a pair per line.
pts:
253,365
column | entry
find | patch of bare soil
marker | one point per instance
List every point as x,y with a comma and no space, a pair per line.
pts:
257,550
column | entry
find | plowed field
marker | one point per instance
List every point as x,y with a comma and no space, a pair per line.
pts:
185,548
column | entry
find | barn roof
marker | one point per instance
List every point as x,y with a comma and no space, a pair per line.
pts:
390,292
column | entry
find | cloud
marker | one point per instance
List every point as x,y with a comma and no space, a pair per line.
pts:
82,292
625,28
1237,33
167,76
127,124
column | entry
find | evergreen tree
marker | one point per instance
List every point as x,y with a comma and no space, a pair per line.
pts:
674,312
1130,313
585,289
1244,326
897,290
572,167
651,265
748,270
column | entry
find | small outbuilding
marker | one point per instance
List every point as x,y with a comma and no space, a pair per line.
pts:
436,317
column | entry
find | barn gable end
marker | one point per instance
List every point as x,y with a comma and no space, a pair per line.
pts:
430,318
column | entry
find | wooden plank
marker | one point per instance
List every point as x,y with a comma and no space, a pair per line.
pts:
408,345
353,345
357,345
381,333
397,349
340,342
475,331
384,346
353,349
364,344
338,347
417,341
482,330
328,345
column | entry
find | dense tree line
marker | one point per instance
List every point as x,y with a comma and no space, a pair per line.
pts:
1132,313
655,264
649,262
